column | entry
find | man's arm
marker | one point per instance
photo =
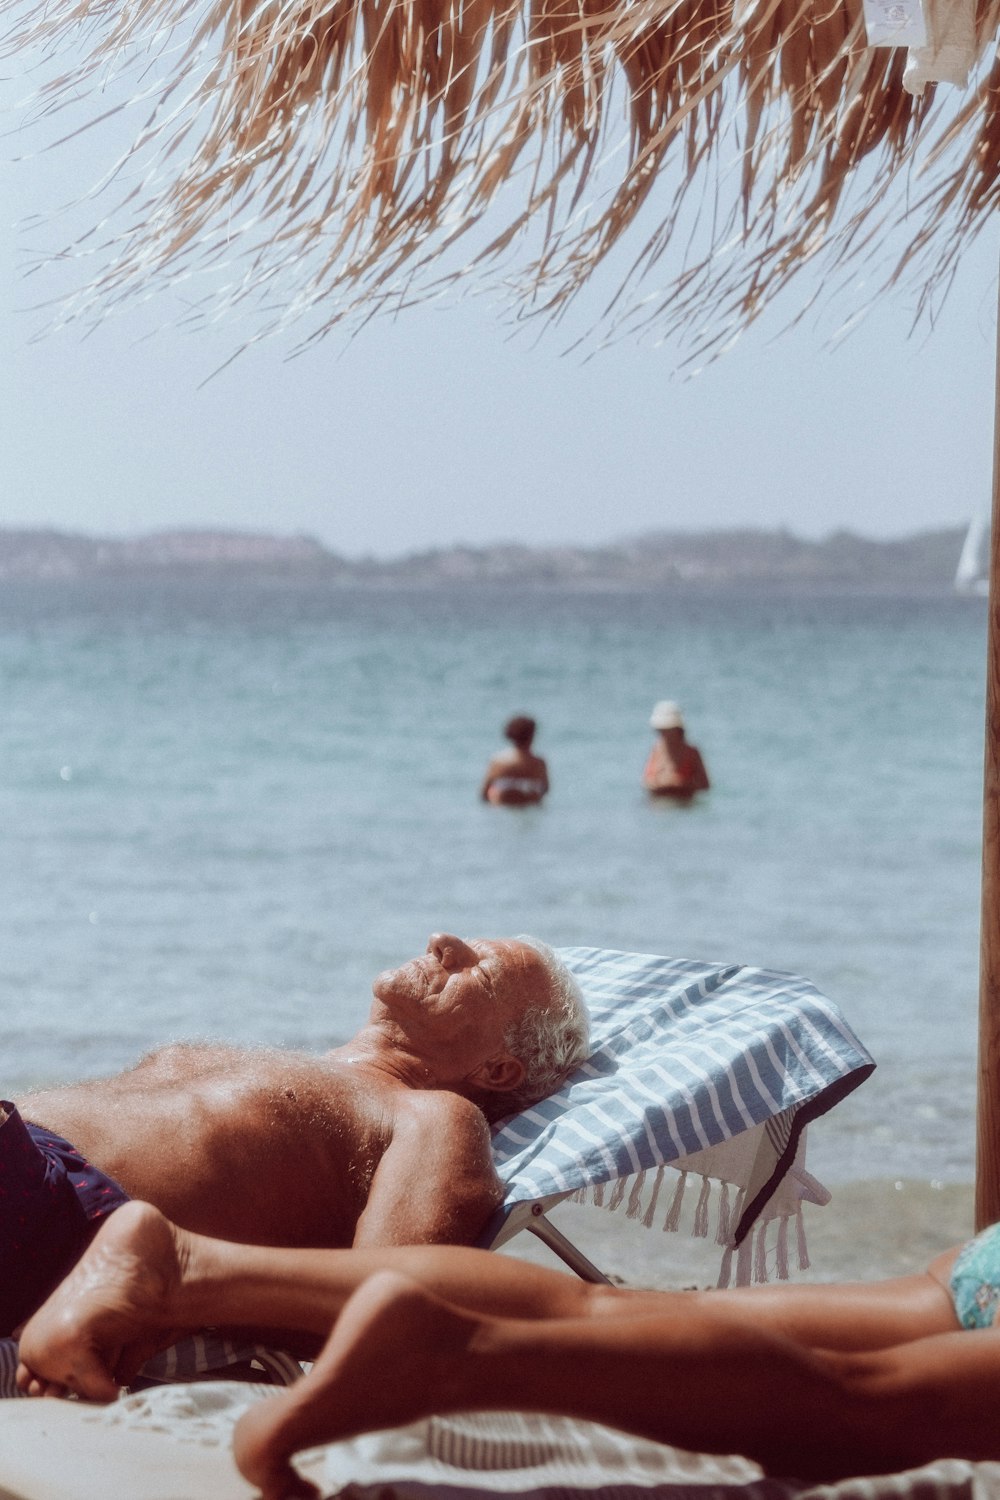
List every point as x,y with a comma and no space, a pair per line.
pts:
492,772
656,774
436,1182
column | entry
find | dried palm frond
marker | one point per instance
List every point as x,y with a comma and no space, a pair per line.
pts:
329,157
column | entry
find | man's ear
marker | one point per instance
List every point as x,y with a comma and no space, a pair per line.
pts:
500,1073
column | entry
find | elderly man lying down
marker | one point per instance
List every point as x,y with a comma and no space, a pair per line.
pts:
815,1382
382,1141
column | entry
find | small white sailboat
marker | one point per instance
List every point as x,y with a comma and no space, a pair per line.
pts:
972,576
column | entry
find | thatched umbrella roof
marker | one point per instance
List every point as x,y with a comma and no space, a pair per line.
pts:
341,155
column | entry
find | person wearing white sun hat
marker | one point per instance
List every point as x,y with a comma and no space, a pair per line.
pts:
674,768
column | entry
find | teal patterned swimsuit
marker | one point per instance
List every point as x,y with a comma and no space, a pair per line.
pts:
975,1280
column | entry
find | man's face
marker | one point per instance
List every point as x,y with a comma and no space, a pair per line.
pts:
457,1001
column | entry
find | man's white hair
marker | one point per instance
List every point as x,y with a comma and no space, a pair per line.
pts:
548,1040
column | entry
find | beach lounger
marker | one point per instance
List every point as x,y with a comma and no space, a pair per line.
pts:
713,1070
710,1070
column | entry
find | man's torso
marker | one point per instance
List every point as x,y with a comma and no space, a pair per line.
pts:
262,1146
680,774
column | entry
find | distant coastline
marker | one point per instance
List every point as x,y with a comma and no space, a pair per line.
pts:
923,563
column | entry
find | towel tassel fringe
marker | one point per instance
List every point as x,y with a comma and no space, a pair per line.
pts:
782,1256
750,1260
701,1211
760,1253
650,1213
800,1235
722,1227
618,1194
634,1209
672,1222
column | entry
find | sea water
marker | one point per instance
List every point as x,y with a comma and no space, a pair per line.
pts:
226,805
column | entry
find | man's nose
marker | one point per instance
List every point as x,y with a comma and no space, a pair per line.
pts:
450,951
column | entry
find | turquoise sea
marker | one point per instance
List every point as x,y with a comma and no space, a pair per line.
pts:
226,805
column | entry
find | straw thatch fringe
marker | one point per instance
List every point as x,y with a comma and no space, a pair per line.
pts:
765,1248
317,158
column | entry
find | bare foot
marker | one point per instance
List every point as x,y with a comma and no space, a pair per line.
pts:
111,1313
393,1357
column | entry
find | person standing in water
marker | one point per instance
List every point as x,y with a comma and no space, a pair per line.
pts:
674,768
516,777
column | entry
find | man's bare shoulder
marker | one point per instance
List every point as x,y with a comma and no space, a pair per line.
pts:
450,1136
436,1183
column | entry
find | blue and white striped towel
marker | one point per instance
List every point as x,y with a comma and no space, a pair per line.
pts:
686,1056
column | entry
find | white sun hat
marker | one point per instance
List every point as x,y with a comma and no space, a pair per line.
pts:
666,715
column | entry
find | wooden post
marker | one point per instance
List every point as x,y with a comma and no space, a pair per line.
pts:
988,1095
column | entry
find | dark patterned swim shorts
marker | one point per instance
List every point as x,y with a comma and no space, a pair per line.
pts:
51,1202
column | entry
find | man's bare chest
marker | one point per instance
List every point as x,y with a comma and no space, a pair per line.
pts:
260,1145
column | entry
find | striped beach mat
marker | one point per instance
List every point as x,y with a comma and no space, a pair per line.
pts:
687,1058
483,1455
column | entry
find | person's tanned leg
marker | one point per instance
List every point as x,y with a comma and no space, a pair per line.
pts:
465,1329
696,1378
391,1318
143,1279
847,1315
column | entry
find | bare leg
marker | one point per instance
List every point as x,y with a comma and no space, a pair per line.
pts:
143,1280
392,1319
848,1315
695,1377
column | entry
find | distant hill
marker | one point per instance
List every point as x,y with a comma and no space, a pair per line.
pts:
922,563
58,554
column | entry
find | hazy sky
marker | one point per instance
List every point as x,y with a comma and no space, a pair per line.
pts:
442,426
